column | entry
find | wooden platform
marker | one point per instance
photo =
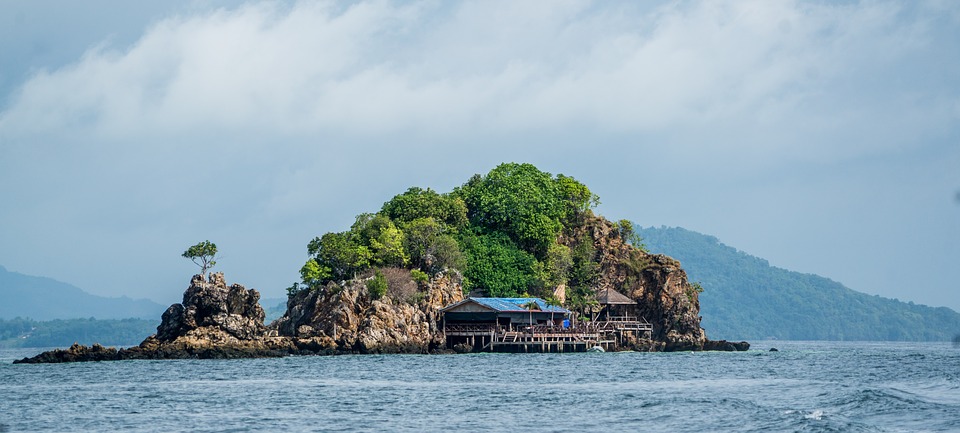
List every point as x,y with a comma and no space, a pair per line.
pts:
544,338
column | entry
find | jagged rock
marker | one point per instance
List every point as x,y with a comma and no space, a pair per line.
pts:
345,319
658,283
211,304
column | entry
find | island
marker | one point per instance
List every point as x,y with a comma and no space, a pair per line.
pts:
514,260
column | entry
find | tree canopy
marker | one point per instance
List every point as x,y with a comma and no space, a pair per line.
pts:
500,230
203,254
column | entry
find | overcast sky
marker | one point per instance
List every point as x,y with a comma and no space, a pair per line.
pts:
822,136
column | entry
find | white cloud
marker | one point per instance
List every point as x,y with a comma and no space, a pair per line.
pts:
289,118
379,68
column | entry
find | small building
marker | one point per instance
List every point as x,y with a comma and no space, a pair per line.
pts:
505,313
530,325
614,304
618,317
507,325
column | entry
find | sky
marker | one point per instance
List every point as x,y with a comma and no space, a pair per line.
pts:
821,136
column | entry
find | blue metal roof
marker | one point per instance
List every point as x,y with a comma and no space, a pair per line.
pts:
515,304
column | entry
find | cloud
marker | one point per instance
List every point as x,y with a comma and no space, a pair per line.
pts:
270,122
374,69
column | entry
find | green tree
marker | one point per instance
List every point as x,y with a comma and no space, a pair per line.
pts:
340,254
417,203
203,254
313,274
382,237
554,270
584,272
629,235
527,204
496,266
429,246
577,198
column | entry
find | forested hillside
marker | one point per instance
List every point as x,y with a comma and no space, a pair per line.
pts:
746,298
20,332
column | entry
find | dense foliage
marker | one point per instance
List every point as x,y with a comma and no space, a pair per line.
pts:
500,230
746,298
21,332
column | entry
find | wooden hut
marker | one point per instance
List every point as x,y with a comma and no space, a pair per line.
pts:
615,304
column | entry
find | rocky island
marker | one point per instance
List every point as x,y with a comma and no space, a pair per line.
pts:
382,286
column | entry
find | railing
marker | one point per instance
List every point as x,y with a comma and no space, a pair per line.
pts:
469,329
617,323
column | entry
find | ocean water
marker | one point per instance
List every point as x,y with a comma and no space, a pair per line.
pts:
805,386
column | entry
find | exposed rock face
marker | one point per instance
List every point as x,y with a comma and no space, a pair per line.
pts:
657,282
343,318
229,313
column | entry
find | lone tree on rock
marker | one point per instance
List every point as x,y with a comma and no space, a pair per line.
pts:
204,254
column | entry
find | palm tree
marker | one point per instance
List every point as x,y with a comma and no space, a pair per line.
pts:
530,306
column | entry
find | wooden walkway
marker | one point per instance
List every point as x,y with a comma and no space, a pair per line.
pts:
543,338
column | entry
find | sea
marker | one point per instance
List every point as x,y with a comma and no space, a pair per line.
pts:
803,386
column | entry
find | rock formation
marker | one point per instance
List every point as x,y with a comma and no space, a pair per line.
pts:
212,313
657,282
344,318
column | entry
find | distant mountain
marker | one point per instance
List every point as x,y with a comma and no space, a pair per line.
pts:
62,333
746,298
273,308
41,298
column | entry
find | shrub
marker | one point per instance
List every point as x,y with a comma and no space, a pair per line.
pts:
400,284
419,276
377,286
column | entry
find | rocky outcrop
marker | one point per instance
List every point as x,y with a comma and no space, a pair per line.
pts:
213,311
665,297
345,318
75,353
213,321
726,346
